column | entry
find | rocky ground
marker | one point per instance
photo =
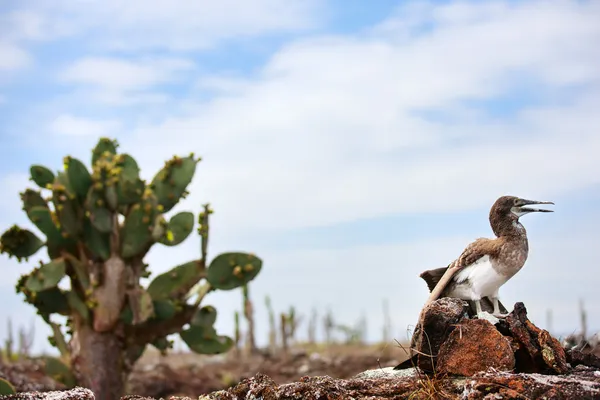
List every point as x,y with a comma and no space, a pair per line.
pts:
189,374
457,357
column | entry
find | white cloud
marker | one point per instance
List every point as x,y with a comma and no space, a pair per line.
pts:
114,81
175,25
70,125
327,130
13,57
114,73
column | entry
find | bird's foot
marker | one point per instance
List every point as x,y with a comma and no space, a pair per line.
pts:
488,317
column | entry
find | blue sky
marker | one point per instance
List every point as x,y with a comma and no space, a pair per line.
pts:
350,145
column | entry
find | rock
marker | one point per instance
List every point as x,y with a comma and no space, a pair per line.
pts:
29,376
77,393
582,384
386,373
577,357
474,346
537,351
436,323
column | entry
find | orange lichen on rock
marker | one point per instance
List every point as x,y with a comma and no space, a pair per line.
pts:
474,346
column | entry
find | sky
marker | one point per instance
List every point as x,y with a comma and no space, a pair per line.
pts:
351,145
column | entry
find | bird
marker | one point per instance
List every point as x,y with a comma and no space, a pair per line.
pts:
487,264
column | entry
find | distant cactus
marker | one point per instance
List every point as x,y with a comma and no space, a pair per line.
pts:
272,325
249,314
289,324
9,342
98,228
312,326
237,333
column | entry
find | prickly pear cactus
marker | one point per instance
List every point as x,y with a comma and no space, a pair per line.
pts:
98,224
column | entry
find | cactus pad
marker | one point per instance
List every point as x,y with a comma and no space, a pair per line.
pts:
46,276
79,176
98,243
32,198
178,229
99,215
137,229
206,316
47,222
59,371
51,301
78,305
19,243
66,206
171,182
136,232
130,187
105,146
164,309
204,340
178,281
6,388
41,175
232,270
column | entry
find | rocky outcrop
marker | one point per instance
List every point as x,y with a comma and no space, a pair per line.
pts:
445,338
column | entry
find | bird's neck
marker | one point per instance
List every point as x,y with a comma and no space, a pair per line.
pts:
510,228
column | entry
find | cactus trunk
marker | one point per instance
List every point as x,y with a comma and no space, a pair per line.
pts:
97,362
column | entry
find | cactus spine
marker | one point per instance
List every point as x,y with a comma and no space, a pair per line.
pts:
99,224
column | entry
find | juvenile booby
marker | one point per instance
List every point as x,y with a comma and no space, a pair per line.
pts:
487,264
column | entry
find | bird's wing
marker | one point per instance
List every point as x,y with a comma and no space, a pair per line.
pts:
438,279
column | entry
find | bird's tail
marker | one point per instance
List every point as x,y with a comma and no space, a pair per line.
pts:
411,362
433,276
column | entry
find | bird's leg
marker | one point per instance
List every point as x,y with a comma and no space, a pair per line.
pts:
497,312
478,308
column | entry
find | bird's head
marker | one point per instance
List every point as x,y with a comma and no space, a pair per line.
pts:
511,208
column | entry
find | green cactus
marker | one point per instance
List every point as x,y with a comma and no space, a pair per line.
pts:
171,182
104,148
6,388
232,270
19,243
176,283
99,223
272,324
178,229
59,371
41,175
237,333
46,276
202,337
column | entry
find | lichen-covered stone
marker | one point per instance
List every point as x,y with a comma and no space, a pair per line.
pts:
77,393
538,351
436,323
475,346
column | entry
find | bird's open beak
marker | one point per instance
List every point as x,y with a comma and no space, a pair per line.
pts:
525,210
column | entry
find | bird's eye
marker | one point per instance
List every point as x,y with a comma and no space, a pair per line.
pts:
516,201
